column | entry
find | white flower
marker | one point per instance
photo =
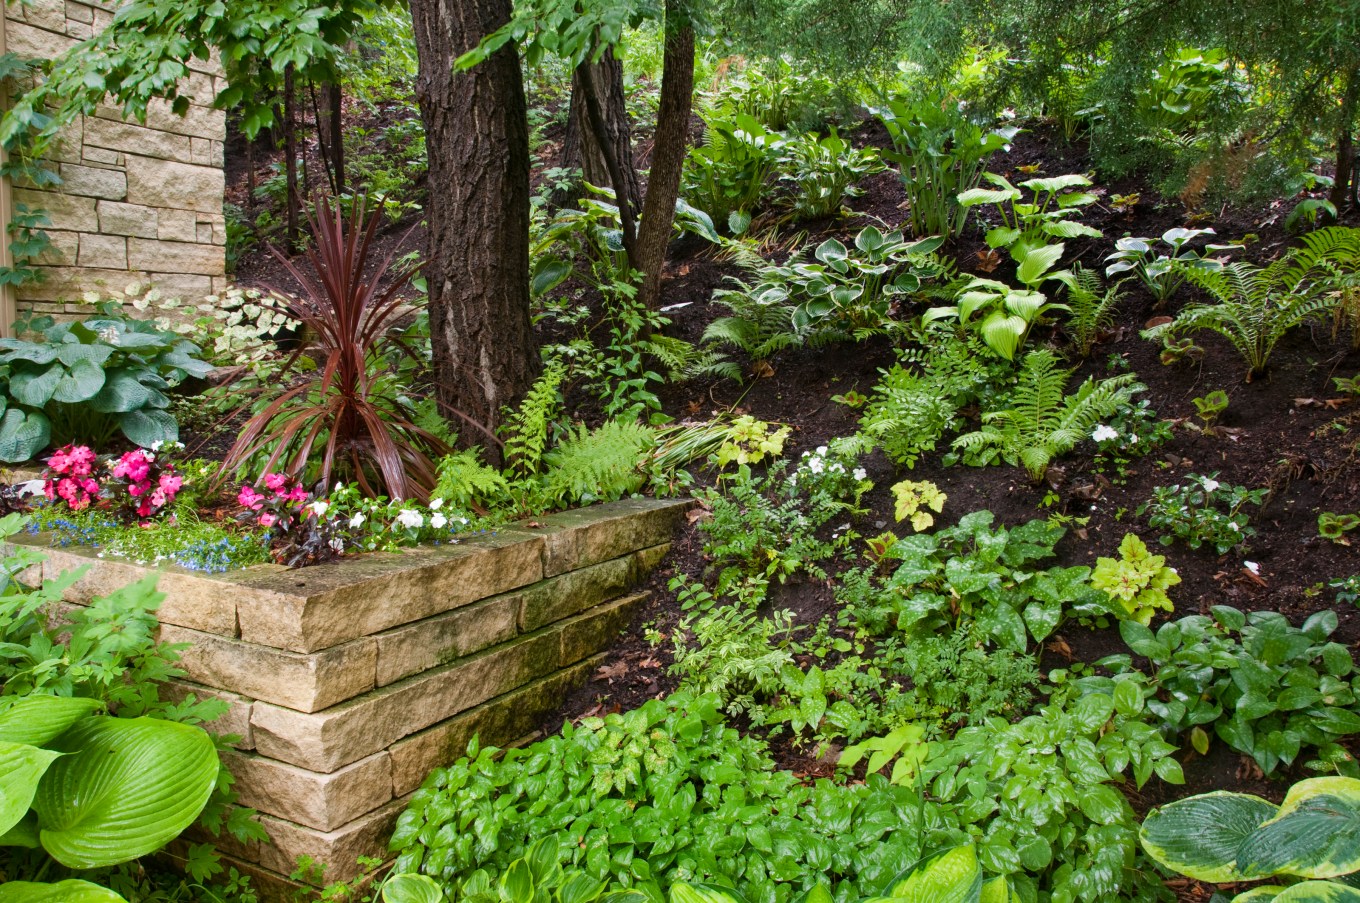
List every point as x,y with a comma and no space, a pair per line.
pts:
1103,433
1233,526
1210,485
410,519
337,544
1253,567
319,508
436,504
821,450
463,521
437,521
815,465
859,473
357,521
1133,438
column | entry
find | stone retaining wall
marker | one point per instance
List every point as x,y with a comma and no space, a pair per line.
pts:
348,683
138,201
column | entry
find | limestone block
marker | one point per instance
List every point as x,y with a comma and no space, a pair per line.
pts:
340,849
64,248
308,683
67,146
205,234
79,30
70,284
327,740
34,43
576,539
63,211
444,638
108,251
321,801
596,631
92,154
178,225
48,14
201,151
161,183
235,721
128,219
156,256
198,121
330,603
129,138
575,591
495,723
79,12
88,181
183,286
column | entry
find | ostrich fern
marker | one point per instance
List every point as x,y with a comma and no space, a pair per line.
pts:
1257,306
1043,421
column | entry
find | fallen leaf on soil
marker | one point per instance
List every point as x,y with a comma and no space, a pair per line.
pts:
611,671
1307,403
1248,770
1254,578
649,663
762,370
1157,321
988,260
1058,646
1087,492
695,515
532,523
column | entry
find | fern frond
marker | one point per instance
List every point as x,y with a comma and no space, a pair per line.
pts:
597,465
526,429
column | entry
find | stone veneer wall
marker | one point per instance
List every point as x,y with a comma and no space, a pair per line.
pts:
348,683
137,202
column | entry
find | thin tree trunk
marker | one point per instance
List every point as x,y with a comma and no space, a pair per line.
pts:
582,149
1345,143
335,100
477,133
599,127
290,159
668,153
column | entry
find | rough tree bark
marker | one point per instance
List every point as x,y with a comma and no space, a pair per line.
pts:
668,151
1345,144
290,155
580,147
477,270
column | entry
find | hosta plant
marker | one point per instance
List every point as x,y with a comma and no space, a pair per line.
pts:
823,172
1308,847
346,417
1136,581
1161,264
1048,215
728,172
1256,306
1042,421
89,380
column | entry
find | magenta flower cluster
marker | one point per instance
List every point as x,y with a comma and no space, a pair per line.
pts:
150,487
71,477
136,482
284,501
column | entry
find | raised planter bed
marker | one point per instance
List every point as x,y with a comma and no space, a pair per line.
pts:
349,682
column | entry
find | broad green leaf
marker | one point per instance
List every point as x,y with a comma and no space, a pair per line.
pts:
70,353
35,387
1318,892
549,274
123,392
148,427
997,890
21,767
411,888
1037,262
1200,836
129,786
974,196
952,876
23,434
37,720
1056,183
81,383
1102,804
71,890
1316,833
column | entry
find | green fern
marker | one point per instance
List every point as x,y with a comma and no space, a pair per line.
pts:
466,482
526,429
1043,422
1257,306
597,465
1093,307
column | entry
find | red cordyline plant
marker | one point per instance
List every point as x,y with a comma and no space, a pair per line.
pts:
345,418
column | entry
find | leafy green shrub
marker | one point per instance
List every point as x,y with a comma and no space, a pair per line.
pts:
824,171
781,95
1268,689
1133,432
1043,422
87,380
1201,511
662,793
1136,581
1257,306
1347,589
1222,837
974,573
734,654
941,150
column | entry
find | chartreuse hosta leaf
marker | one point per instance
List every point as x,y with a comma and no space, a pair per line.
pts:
1315,834
411,888
128,787
951,876
37,720
1200,836
70,891
21,766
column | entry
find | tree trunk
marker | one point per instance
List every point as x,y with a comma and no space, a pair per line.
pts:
668,152
581,149
1345,143
477,270
290,167
335,97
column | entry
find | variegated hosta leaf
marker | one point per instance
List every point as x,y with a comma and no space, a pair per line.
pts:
1199,836
952,876
1315,834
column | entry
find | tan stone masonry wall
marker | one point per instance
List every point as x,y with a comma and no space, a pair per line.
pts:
348,683
138,201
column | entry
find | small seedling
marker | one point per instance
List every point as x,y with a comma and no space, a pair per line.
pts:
1183,349
1210,408
851,399
1348,385
1335,526
1124,203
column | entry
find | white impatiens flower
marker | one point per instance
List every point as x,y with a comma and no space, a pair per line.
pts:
1210,485
436,504
859,473
1104,433
438,521
821,451
1232,525
409,519
319,508
1253,567
815,465
357,520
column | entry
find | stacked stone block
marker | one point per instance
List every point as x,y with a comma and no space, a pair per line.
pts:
348,683
138,202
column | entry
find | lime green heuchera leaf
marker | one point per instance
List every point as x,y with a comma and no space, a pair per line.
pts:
1137,581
